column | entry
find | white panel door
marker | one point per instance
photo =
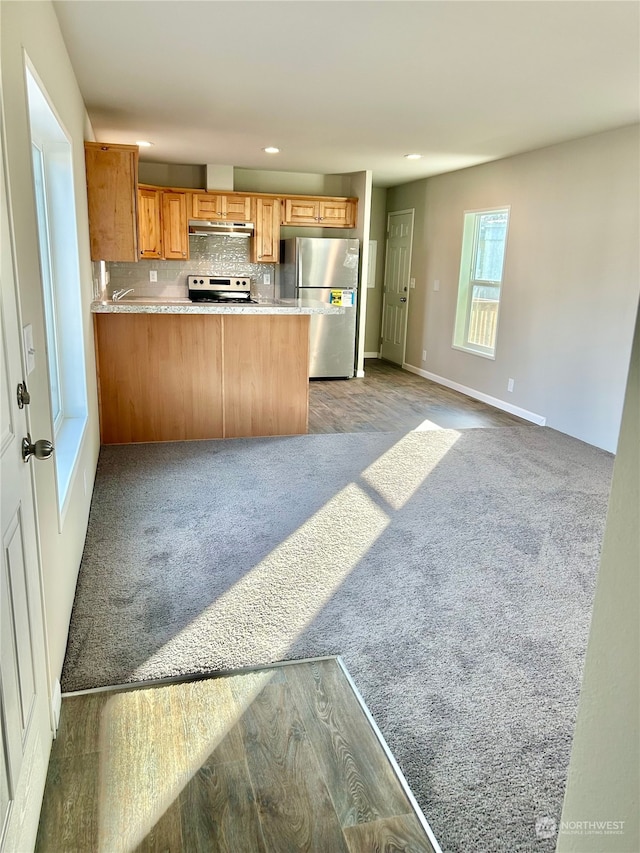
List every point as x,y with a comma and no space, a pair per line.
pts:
396,286
25,724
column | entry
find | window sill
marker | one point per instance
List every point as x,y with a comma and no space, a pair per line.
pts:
68,443
471,351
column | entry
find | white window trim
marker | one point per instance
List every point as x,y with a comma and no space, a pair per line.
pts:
70,430
470,348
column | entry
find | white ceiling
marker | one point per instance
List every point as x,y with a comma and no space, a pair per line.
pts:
346,86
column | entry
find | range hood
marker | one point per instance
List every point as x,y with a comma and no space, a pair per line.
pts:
203,228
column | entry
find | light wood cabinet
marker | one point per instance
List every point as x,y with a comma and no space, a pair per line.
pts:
180,377
226,208
337,213
265,246
128,222
300,211
150,223
162,224
175,225
112,181
319,211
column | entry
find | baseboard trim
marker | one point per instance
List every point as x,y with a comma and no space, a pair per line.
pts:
56,705
525,414
372,355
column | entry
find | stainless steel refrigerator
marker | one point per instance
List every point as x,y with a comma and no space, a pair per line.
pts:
318,269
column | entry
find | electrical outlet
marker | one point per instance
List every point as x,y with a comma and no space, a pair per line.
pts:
266,278
436,284
412,283
424,355
510,385
153,275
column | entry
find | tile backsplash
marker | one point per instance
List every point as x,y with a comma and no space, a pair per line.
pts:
217,254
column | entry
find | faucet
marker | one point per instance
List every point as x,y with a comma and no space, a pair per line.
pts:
120,294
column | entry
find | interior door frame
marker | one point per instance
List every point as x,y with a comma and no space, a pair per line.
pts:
391,213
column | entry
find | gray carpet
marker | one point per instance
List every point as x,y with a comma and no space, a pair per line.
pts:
454,573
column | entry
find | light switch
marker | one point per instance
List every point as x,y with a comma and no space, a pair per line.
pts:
436,284
412,283
29,350
153,275
266,278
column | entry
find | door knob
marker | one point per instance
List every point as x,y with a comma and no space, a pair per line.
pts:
42,449
24,397
403,299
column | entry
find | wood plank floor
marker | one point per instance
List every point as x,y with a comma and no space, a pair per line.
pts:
279,760
390,399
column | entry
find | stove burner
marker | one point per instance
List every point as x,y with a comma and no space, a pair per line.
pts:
223,300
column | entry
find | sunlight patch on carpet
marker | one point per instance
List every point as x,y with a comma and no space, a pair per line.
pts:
398,474
283,594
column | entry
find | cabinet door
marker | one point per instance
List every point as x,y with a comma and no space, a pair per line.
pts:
112,183
149,223
337,214
206,206
301,211
236,208
229,207
175,237
266,242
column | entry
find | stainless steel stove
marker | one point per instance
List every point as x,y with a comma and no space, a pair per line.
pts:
221,289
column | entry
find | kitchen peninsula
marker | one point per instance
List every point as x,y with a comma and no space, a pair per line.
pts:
177,371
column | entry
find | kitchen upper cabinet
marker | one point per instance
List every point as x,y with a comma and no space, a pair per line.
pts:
214,206
337,213
162,224
265,246
175,225
323,212
150,223
112,182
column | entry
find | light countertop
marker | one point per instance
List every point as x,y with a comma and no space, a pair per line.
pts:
185,306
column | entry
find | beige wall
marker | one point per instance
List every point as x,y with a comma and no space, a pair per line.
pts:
172,175
571,279
34,26
603,783
296,183
377,232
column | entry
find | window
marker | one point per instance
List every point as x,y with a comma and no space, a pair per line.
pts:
60,272
484,241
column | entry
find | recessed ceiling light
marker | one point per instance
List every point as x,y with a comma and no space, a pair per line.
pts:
413,156
271,150
142,143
